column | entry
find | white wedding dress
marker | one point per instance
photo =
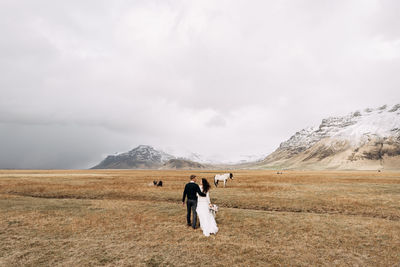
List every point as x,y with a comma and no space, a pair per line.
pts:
207,220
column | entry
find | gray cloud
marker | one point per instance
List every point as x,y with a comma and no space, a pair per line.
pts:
81,79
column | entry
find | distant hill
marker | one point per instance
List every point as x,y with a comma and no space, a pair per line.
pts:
182,164
362,140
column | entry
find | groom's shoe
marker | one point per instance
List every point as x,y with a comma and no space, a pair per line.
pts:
188,225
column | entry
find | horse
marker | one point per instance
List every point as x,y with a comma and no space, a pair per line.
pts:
222,177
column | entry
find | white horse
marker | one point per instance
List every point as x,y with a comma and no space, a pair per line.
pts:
222,177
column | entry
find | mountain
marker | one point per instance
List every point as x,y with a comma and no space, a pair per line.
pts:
182,164
363,140
141,157
196,158
218,160
250,158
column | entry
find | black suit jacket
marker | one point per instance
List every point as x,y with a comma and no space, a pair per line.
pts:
190,191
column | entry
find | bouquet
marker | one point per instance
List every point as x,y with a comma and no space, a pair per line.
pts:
213,209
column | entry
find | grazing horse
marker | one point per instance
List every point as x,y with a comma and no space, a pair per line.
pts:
222,177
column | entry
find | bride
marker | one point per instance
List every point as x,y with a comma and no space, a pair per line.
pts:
207,221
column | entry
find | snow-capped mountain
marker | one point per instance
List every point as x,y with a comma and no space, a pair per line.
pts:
141,157
196,158
219,160
367,139
147,157
250,158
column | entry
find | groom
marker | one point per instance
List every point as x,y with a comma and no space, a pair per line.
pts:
190,191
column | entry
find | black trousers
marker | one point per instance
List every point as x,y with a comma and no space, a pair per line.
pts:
191,207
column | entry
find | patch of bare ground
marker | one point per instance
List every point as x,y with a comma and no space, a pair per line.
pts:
116,218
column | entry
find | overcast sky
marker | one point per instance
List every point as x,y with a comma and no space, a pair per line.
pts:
83,79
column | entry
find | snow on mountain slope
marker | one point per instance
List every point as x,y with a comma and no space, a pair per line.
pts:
196,158
369,137
219,160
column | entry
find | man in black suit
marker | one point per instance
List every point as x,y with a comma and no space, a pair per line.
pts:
190,191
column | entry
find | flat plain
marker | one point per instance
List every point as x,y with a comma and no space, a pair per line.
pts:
118,218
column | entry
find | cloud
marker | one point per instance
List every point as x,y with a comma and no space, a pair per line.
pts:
224,78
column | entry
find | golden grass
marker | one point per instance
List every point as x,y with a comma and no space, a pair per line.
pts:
115,218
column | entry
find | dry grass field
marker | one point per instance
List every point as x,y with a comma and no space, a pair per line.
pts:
115,218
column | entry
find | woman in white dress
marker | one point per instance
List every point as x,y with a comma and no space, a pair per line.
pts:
207,220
